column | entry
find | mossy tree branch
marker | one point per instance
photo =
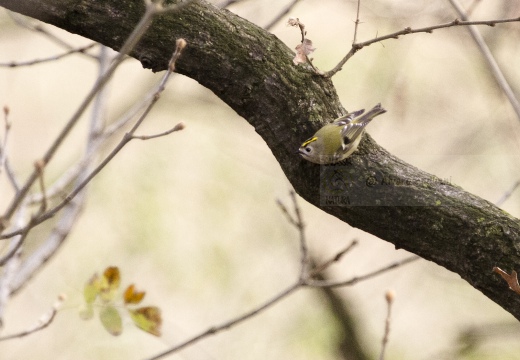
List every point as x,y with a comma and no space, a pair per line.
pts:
252,71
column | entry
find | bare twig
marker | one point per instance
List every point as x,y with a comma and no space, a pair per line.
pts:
61,229
389,296
508,193
4,160
228,324
283,294
320,268
152,9
39,257
490,59
12,178
22,21
289,217
357,22
18,242
305,48
178,127
303,280
50,58
224,4
43,204
9,271
43,322
58,187
300,225
3,143
281,15
127,137
181,43
429,29
356,279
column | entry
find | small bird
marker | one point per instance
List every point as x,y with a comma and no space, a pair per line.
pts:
338,140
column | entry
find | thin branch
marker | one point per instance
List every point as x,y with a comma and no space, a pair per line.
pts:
43,204
50,58
3,143
178,127
304,48
151,10
320,268
39,257
19,240
508,193
4,161
356,279
303,280
274,300
58,187
357,22
389,297
63,226
181,43
126,138
10,270
40,29
128,115
228,324
490,59
358,46
224,4
284,210
300,225
281,15
43,322
12,177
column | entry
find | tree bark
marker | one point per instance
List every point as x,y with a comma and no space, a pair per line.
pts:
252,71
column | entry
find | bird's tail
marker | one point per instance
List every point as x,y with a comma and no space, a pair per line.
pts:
356,127
369,115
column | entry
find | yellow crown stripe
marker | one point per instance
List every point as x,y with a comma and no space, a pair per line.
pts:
309,141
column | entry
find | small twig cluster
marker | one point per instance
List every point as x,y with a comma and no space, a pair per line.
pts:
306,278
66,195
44,321
305,48
69,52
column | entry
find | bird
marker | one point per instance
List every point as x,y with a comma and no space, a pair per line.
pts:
337,140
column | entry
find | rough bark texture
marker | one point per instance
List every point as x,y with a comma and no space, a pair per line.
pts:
252,71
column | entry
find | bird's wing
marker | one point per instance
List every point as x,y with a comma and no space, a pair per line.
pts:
351,131
345,119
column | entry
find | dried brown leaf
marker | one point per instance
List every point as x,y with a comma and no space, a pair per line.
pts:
302,50
512,280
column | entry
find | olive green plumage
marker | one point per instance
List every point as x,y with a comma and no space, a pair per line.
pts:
338,140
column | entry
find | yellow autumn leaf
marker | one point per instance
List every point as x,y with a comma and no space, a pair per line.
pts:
110,283
132,296
111,320
147,318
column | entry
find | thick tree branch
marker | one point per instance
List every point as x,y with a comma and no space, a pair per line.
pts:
252,71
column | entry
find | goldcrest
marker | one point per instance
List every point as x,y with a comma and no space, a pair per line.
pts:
338,140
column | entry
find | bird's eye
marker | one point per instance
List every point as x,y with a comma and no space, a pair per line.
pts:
308,149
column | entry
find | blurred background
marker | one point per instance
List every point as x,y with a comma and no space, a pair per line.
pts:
192,219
